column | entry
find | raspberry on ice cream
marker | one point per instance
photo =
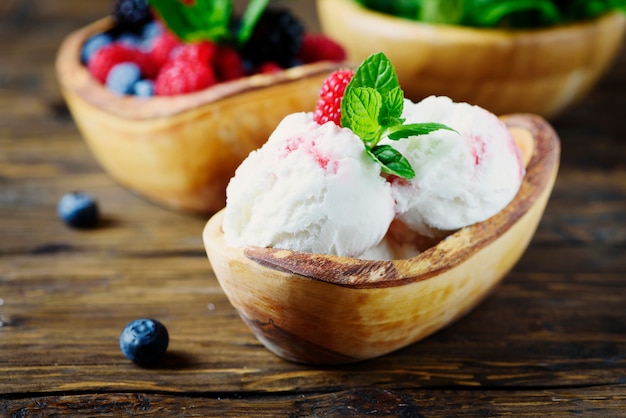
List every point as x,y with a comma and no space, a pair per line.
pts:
461,177
311,188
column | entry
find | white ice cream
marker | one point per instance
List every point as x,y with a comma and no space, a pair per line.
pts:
310,188
461,178
314,189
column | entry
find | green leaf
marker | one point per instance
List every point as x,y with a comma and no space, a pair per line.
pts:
391,109
513,13
372,106
249,19
375,72
449,12
207,19
403,8
174,15
391,161
360,110
414,129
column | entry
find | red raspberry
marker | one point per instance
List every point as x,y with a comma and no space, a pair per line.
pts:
180,76
203,51
328,108
317,47
269,67
228,64
116,53
149,69
106,57
162,48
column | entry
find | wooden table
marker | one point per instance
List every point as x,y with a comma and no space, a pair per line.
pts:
550,340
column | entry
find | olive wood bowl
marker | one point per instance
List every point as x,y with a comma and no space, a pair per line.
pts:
322,309
181,151
540,71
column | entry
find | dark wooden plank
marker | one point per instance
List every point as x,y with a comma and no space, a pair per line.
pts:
589,402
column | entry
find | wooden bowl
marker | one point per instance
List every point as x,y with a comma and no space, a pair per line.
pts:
323,309
181,151
536,71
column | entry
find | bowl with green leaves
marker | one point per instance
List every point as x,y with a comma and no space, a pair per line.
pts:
170,96
536,56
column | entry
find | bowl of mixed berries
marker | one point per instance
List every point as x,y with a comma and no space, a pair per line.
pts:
171,95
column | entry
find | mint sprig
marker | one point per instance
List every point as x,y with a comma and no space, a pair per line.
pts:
208,19
372,108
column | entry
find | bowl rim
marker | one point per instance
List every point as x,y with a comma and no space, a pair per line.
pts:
74,77
540,175
458,30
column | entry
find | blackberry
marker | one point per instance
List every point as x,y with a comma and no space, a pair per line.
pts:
131,15
276,37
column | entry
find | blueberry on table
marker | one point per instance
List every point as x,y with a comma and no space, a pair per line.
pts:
144,341
78,209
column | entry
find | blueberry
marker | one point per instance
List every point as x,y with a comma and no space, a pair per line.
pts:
78,209
122,77
149,32
143,88
93,44
131,40
144,341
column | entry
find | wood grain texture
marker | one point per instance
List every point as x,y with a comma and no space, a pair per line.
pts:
550,339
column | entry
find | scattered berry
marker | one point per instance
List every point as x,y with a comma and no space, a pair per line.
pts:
318,47
228,64
143,88
328,108
93,44
78,209
131,40
276,37
123,77
269,68
131,15
162,47
203,51
180,76
150,31
106,58
144,341
168,66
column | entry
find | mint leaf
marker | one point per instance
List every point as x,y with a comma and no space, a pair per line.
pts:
391,109
372,106
208,19
249,19
414,129
361,110
376,72
174,15
391,161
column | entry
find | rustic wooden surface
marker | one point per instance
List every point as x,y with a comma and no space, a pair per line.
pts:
551,339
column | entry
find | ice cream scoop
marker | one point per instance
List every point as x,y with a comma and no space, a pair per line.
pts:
310,188
462,176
